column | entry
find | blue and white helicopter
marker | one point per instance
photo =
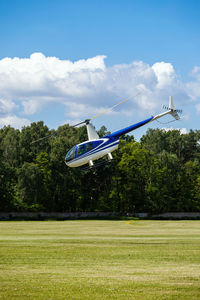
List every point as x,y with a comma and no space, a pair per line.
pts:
96,148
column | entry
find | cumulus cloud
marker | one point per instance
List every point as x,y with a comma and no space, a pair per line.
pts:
28,85
165,74
48,76
193,87
6,106
182,130
13,121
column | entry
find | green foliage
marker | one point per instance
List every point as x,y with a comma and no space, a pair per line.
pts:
158,174
7,187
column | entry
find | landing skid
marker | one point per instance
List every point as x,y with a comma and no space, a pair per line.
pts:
97,165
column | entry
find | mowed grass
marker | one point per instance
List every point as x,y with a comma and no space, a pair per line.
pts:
100,260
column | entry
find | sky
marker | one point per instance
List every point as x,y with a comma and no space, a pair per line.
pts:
65,61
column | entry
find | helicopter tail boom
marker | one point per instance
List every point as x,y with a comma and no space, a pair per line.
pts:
121,132
170,110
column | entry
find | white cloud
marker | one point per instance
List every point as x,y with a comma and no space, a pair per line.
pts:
182,130
6,106
165,74
193,87
13,121
87,86
40,75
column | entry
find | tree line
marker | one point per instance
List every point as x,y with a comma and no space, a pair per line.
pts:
161,173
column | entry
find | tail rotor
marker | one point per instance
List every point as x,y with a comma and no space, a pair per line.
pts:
173,111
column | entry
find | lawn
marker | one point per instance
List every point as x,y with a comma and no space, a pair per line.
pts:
100,260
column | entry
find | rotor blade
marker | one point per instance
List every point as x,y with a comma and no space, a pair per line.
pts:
103,112
43,138
86,121
177,110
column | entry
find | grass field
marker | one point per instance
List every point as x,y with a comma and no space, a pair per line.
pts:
100,260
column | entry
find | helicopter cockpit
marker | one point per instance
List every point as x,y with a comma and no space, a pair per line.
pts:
70,154
81,149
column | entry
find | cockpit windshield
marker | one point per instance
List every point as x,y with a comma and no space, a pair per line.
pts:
71,154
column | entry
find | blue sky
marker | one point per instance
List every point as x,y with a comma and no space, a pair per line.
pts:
104,51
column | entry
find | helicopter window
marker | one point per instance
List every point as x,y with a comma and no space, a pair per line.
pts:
97,143
80,149
71,154
88,147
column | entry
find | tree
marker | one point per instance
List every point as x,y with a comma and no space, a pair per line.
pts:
132,178
7,187
30,187
30,134
9,146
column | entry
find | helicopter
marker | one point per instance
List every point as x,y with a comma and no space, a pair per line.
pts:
95,147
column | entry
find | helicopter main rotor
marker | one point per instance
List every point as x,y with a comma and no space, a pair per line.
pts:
87,121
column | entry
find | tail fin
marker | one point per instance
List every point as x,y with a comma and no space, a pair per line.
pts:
173,109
